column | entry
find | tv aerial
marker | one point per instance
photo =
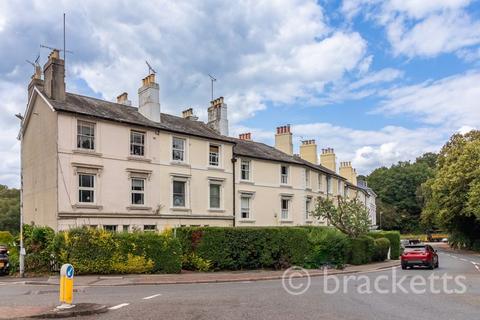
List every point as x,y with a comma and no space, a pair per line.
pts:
34,64
212,79
150,69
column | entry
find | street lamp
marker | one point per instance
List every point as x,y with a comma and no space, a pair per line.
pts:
22,248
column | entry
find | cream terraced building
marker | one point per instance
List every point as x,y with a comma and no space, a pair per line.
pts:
92,162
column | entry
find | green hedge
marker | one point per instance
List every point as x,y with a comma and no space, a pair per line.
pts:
329,247
246,247
6,238
393,237
363,249
381,245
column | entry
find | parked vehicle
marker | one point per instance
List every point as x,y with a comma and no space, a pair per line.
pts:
4,262
419,255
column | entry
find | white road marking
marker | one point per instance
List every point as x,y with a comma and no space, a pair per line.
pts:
464,259
151,297
118,306
455,257
478,268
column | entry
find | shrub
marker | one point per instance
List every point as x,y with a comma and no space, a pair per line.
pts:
246,247
88,250
132,264
164,250
329,247
382,245
37,242
6,238
362,251
193,262
393,237
102,252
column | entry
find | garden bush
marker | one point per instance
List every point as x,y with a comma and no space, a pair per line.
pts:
328,247
393,237
6,238
162,249
246,247
362,250
37,243
382,245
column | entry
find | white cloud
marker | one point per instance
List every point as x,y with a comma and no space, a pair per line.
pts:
262,52
451,102
367,149
420,28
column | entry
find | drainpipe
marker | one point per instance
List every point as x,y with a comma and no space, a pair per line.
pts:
234,160
22,249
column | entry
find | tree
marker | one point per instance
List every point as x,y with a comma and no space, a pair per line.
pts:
399,192
9,209
452,196
350,216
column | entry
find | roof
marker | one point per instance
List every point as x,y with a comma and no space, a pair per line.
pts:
93,107
107,110
263,151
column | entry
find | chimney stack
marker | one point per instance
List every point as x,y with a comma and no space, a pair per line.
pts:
36,81
283,139
217,116
328,159
188,114
149,98
308,151
123,99
245,136
348,172
54,73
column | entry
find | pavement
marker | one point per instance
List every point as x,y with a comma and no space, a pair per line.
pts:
187,277
274,298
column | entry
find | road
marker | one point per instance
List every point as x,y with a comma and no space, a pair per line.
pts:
269,300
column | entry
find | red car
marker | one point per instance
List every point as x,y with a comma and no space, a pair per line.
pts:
419,255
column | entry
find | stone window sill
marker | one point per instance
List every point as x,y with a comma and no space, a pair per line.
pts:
247,182
216,168
216,210
246,220
133,207
87,206
179,163
87,152
286,221
139,158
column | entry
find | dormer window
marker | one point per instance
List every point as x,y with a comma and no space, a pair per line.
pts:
85,135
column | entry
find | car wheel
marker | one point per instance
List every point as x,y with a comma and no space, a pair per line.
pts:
436,264
431,266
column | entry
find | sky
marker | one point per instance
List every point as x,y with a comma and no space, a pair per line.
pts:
378,81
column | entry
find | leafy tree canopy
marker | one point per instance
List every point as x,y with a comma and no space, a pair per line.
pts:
399,192
9,209
349,216
452,196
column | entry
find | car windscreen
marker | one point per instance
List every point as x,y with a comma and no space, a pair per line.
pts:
415,249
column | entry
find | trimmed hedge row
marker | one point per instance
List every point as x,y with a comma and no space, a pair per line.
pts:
200,248
246,247
393,237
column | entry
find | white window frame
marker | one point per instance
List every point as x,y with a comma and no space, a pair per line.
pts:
186,182
249,171
93,127
114,227
329,185
132,192
149,230
133,144
286,217
284,178
184,150
320,182
80,188
249,209
307,178
219,156
308,203
220,194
